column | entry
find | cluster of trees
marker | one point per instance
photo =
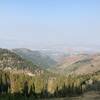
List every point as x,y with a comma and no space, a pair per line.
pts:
41,87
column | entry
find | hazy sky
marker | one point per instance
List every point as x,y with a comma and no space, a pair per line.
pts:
44,23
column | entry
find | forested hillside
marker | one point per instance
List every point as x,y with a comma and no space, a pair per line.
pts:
12,61
36,57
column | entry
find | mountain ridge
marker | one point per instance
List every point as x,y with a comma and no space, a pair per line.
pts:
36,57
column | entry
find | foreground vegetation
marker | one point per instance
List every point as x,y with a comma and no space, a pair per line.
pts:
14,86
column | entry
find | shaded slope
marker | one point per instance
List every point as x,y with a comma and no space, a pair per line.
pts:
36,57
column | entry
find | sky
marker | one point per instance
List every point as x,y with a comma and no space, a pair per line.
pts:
39,24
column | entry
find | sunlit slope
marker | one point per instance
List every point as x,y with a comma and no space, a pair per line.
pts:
10,60
79,64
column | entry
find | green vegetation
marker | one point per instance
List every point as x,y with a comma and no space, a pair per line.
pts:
10,60
21,85
22,80
36,57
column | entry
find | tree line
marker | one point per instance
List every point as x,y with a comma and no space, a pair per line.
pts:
16,85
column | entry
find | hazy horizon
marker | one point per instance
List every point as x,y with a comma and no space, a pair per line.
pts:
41,24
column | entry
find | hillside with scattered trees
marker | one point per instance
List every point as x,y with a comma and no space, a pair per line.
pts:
11,61
21,79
